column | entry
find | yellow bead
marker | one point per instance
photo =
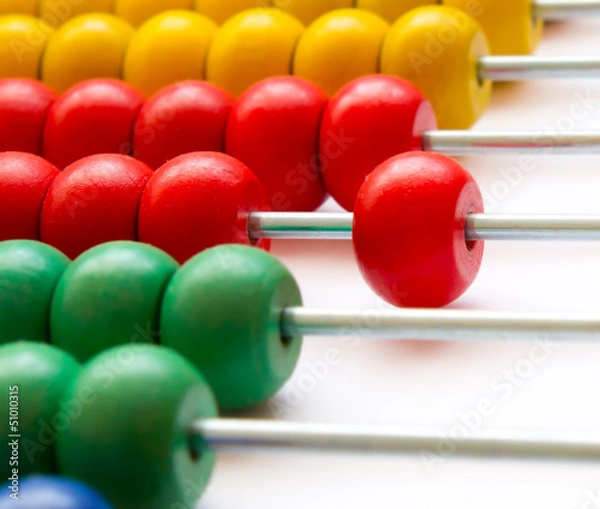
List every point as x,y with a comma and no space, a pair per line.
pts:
56,12
339,47
508,24
86,47
253,45
19,7
308,11
137,12
391,10
437,49
23,40
170,47
220,10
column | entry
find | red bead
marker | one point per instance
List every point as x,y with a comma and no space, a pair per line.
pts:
370,120
186,117
24,107
197,201
93,117
24,181
409,230
93,201
274,129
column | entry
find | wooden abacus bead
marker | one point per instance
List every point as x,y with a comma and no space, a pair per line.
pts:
274,129
495,18
190,116
92,201
30,272
137,12
251,46
170,47
23,41
54,492
220,11
370,120
437,49
197,201
223,308
29,7
309,10
57,12
422,259
24,107
391,10
143,461
93,117
42,374
24,182
86,47
340,46
121,280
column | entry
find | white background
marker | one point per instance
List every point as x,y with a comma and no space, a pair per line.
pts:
433,384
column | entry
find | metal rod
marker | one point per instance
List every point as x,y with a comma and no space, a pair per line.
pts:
300,225
439,325
463,143
520,68
322,225
522,227
244,435
565,9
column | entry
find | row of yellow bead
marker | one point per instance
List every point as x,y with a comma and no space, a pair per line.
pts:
435,47
508,23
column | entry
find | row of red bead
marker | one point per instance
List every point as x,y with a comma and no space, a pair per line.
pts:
299,143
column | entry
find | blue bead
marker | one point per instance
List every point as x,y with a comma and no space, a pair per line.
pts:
50,492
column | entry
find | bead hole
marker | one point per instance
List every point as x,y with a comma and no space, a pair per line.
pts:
195,454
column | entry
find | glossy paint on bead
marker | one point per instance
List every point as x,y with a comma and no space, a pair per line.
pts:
169,48
93,201
144,461
339,47
190,116
24,182
86,47
222,312
197,201
93,117
274,129
368,121
111,295
437,49
422,258
24,107
29,272
39,375
251,46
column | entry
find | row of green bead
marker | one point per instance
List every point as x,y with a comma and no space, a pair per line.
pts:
120,423
221,310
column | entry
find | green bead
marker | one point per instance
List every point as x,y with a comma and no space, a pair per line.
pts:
222,311
131,441
29,272
111,295
37,376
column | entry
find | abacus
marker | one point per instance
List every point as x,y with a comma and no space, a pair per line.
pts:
151,152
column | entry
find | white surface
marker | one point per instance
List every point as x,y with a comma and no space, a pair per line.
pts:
387,382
